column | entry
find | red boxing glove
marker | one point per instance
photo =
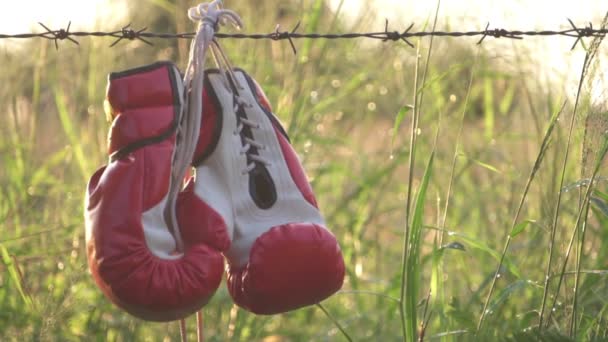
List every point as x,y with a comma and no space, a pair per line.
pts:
132,251
282,256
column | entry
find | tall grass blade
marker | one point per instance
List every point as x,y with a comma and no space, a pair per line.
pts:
585,215
582,213
398,120
72,134
489,116
483,247
335,322
600,204
514,226
440,294
559,196
312,20
601,195
406,239
520,227
410,280
508,291
15,276
413,261
596,130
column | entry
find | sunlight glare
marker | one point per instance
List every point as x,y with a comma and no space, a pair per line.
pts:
548,59
23,16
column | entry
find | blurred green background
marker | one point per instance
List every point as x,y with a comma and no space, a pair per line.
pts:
342,103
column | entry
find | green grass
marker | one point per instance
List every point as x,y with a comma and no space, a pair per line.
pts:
455,187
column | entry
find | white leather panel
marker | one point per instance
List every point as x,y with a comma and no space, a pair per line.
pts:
221,184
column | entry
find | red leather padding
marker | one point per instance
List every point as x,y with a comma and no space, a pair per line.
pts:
192,213
138,124
121,262
262,98
209,121
141,104
290,266
295,169
148,88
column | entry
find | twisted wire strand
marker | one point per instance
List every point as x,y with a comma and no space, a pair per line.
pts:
128,33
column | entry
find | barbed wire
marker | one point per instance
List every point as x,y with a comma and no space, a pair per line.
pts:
128,33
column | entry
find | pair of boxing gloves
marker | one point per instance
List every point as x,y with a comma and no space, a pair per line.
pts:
248,203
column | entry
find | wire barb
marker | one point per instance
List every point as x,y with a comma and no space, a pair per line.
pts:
128,33
498,33
395,35
277,35
588,31
56,35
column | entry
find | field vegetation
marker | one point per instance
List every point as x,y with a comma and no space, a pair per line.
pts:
468,197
